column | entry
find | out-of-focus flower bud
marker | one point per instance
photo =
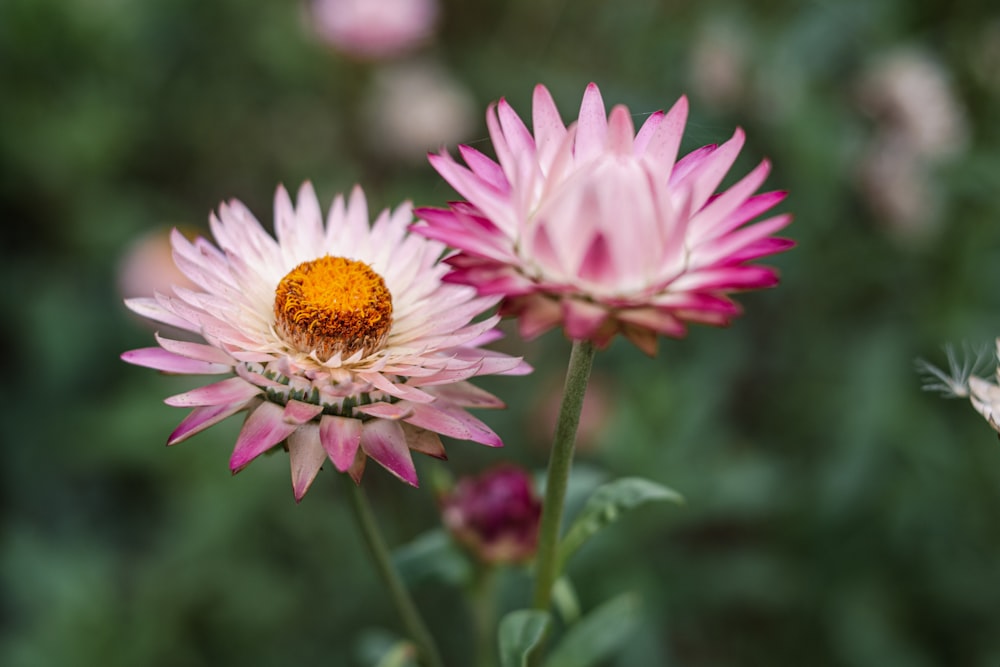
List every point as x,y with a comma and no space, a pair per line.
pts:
147,267
920,124
416,107
374,29
719,65
909,92
495,515
595,416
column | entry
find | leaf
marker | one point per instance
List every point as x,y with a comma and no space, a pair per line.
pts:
607,504
403,654
380,648
432,556
521,631
564,600
599,634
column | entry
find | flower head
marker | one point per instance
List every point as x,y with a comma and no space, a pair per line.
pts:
374,30
340,338
962,381
495,515
601,229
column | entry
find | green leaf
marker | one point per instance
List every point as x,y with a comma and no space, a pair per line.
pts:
380,648
432,556
607,504
598,634
520,631
403,654
564,600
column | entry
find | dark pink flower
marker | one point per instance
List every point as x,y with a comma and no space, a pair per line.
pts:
495,515
603,230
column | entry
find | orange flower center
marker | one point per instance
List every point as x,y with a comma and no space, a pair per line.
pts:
333,305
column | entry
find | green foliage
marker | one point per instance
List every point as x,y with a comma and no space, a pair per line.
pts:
597,635
520,631
836,515
434,557
607,505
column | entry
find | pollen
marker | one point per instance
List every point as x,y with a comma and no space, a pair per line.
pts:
333,305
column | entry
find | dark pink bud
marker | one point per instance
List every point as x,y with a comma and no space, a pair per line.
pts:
495,515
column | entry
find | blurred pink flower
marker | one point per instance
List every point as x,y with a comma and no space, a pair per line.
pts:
414,107
595,416
495,515
339,339
147,266
374,28
601,230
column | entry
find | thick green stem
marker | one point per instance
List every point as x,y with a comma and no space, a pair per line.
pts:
400,596
560,461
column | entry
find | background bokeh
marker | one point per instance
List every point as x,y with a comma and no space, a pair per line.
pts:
836,515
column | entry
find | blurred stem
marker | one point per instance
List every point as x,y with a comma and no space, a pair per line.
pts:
484,613
412,621
560,462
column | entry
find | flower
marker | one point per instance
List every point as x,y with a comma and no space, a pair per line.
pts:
342,339
374,30
147,266
495,515
600,229
413,107
962,381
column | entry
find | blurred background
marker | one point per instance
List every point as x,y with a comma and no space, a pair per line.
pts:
836,514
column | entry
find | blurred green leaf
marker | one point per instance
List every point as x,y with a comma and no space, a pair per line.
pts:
598,634
565,600
607,505
432,556
520,631
401,655
380,648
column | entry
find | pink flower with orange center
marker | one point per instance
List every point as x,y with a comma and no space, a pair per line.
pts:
602,230
340,340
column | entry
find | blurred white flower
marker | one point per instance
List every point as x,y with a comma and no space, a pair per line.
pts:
963,381
374,28
909,93
897,186
416,107
920,124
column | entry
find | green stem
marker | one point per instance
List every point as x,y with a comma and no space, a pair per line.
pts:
560,462
484,615
401,598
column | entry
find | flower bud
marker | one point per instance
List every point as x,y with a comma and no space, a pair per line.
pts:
495,515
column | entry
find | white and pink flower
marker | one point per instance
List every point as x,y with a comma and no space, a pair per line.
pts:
339,339
603,230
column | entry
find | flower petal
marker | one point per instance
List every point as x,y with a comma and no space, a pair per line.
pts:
424,441
454,422
340,437
230,390
306,456
592,126
264,428
385,442
168,362
201,418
